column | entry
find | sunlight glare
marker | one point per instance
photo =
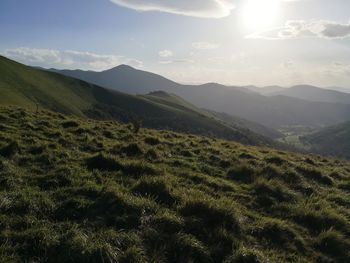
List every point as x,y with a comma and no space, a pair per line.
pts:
260,14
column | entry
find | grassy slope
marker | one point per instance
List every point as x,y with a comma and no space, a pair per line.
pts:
75,190
172,101
333,141
253,126
24,86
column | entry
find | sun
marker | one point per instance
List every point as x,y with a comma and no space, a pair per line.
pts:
260,14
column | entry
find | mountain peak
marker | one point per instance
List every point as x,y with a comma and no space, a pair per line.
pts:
121,67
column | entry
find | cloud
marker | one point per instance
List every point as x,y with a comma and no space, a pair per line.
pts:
339,68
289,64
295,29
205,45
165,53
133,63
195,8
166,62
69,59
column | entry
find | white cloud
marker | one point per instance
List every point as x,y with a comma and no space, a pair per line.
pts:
295,29
205,45
289,64
165,53
165,62
195,8
339,68
133,63
69,59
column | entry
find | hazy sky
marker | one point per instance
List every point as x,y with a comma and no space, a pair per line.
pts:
238,42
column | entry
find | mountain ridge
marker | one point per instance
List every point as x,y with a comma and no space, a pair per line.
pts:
274,111
313,93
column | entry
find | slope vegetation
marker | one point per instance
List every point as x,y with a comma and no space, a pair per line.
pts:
77,190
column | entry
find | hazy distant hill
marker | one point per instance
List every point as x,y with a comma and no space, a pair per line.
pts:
27,87
313,93
340,89
265,90
274,111
253,126
238,123
332,140
250,130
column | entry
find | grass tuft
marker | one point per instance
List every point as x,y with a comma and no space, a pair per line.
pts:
156,189
9,150
242,173
315,175
335,244
132,149
103,162
70,124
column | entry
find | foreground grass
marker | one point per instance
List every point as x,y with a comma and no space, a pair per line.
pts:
76,190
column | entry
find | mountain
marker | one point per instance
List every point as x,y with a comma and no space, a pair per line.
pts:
312,93
27,87
265,90
273,111
249,125
125,78
333,141
239,123
78,190
340,89
250,129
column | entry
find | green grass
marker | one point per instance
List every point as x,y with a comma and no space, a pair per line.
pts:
77,190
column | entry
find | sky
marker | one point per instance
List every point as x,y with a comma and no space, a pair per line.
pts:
234,42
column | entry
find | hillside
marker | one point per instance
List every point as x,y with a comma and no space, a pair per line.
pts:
27,87
250,129
273,111
331,141
77,190
252,126
312,93
172,101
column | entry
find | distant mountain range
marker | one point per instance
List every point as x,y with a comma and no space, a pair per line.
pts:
274,111
274,90
265,90
312,93
28,87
